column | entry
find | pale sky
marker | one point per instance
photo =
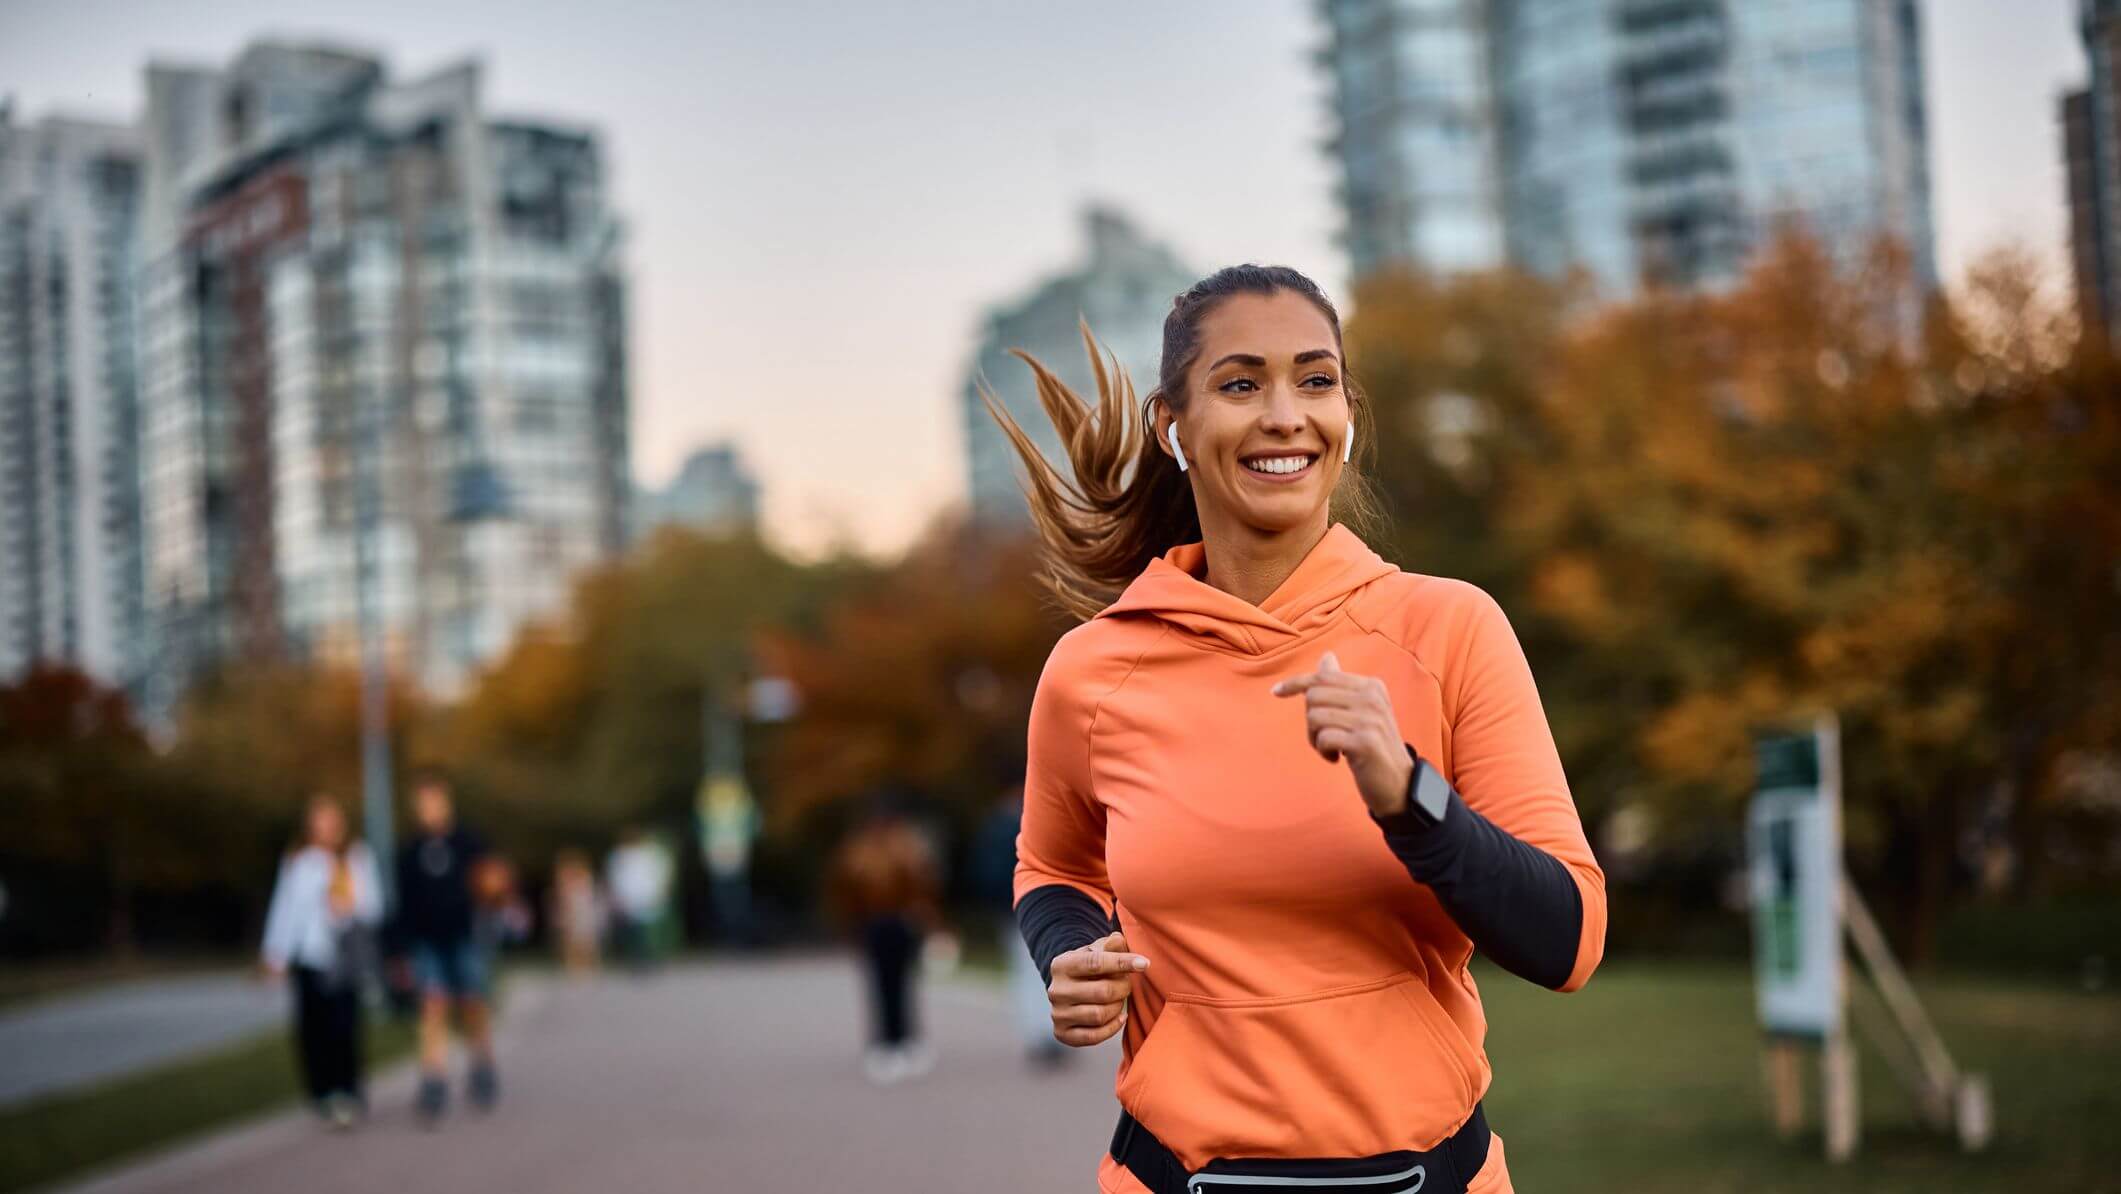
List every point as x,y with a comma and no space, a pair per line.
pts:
822,197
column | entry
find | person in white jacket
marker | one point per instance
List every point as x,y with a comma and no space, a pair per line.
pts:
325,908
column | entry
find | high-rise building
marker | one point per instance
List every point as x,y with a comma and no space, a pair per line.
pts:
714,492
355,288
2091,143
1123,289
1641,140
69,495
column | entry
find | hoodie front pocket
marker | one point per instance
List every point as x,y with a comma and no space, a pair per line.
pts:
1348,1072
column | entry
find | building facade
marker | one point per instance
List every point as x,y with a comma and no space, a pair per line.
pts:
1123,289
1644,141
383,337
714,493
2091,141
70,560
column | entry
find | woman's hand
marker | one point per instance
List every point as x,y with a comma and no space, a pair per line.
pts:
1090,989
1350,717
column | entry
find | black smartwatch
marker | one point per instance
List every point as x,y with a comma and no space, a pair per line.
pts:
1428,801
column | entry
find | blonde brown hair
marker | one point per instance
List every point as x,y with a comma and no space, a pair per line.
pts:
1127,502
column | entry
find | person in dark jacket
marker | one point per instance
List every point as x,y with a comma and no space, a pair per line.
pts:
436,918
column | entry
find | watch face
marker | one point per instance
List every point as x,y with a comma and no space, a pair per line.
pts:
1432,794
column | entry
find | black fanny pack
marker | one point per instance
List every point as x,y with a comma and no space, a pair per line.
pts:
1446,1169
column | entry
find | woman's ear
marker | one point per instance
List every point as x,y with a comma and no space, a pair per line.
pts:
1165,428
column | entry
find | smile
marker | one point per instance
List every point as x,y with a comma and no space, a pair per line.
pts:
1280,468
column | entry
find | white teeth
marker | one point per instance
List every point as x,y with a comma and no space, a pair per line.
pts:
1279,464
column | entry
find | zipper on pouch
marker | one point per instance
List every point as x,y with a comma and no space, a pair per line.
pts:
1407,1181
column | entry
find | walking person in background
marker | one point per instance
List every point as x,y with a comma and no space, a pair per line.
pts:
1279,790
437,928
577,912
638,876
325,906
993,877
883,887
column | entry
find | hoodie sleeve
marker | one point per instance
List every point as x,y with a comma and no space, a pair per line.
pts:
1063,896
283,916
1510,862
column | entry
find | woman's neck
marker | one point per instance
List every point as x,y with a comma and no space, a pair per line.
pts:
1250,564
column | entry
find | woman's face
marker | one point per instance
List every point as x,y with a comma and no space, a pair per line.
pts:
327,825
1265,415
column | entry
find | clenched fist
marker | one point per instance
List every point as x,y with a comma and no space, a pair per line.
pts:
1350,717
1090,988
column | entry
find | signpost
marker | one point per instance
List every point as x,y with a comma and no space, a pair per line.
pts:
1802,903
1793,850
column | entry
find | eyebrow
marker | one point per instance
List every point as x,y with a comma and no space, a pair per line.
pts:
1258,362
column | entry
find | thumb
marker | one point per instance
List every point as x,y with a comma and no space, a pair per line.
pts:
1115,943
1327,663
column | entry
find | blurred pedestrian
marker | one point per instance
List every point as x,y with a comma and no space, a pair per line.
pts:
638,876
437,927
993,877
883,887
577,912
325,907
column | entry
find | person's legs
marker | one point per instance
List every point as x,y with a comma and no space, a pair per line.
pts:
894,972
1028,1005
312,1034
431,971
873,951
348,1027
475,1007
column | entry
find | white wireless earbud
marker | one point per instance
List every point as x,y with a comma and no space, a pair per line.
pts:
1177,451
1347,446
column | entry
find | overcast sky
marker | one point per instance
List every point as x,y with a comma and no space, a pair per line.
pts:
822,196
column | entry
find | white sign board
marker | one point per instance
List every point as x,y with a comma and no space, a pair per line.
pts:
1793,851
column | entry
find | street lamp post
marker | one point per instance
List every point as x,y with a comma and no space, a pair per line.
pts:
377,818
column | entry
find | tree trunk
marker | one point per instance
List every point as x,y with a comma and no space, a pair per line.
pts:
1939,848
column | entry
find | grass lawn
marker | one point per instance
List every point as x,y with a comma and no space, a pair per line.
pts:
1649,1080
66,1134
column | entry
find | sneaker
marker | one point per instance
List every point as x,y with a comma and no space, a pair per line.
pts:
343,1111
485,1086
433,1100
915,1060
881,1066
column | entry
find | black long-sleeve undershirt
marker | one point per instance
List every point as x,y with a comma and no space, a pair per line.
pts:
1517,903
1055,919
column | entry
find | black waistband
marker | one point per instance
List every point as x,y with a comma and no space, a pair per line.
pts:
1446,1169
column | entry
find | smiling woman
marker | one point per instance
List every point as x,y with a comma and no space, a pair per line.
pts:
1129,498
1277,909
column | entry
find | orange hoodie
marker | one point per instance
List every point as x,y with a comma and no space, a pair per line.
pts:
1306,996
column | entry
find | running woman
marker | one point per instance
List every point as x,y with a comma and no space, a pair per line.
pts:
1279,790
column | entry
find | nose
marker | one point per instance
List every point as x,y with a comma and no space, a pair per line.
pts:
1282,413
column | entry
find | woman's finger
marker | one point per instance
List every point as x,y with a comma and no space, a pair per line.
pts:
1292,685
1087,1015
1096,991
1335,743
1084,1037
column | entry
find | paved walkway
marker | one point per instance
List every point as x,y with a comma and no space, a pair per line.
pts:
69,1041
728,1077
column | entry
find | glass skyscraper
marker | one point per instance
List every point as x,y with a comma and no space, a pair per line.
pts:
1123,289
1646,141
69,492
358,287
2091,123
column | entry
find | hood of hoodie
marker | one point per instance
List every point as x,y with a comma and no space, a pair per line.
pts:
1171,590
